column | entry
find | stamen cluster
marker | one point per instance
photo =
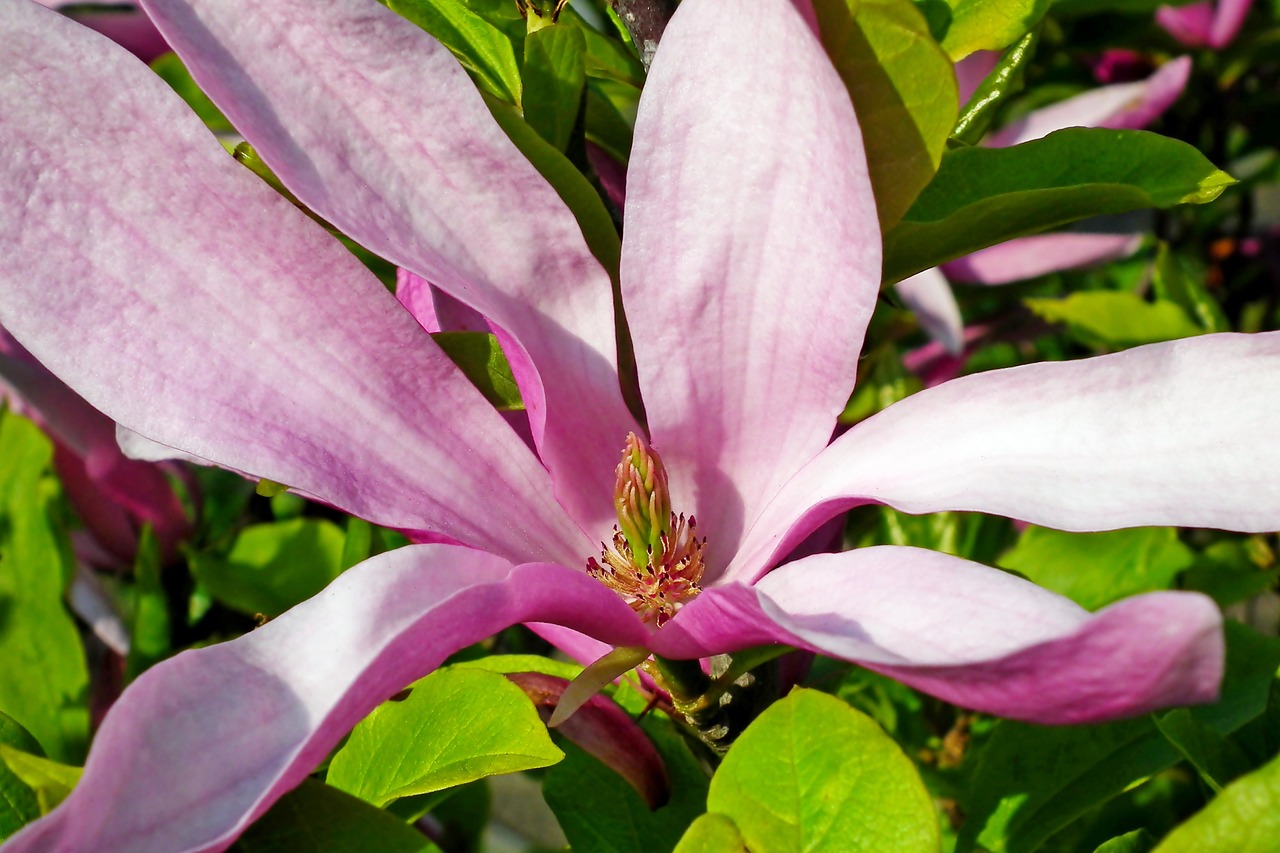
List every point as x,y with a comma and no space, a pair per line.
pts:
655,561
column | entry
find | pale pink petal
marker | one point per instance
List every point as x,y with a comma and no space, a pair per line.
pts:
1028,257
260,712
751,259
972,635
187,301
1119,106
374,126
928,295
1179,433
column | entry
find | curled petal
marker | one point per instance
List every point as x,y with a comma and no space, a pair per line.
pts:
972,635
751,260
1179,433
269,706
606,732
335,97
187,301
929,297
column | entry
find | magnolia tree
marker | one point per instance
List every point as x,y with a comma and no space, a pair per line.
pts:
401,396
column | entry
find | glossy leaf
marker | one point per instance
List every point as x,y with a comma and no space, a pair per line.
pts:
1095,569
984,196
49,780
711,833
964,26
812,774
1116,319
1215,758
1003,82
1032,781
482,48
903,87
272,567
456,726
18,803
43,679
600,812
316,818
555,74
1138,841
1244,818
480,358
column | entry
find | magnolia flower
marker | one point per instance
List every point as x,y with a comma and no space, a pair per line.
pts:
1205,24
193,305
1119,106
122,22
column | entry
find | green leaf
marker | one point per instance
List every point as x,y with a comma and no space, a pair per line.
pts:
479,356
1138,841
18,803
1032,781
456,726
812,774
358,544
1244,818
555,75
964,26
149,633
272,567
50,781
43,679
1174,283
600,812
482,48
712,833
903,87
1003,82
1095,569
1215,758
316,818
1116,319
984,196
1229,571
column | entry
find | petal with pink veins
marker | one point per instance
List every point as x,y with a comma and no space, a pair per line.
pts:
751,260
208,314
1179,433
422,175
969,634
273,703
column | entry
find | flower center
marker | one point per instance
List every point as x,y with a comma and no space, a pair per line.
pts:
655,561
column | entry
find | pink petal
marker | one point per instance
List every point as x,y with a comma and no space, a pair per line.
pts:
1228,18
1028,257
928,295
1120,106
263,710
105,488
122,22
375,127
751,260
1179,433
1191,24
190,303
971,635
972,70
435,310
